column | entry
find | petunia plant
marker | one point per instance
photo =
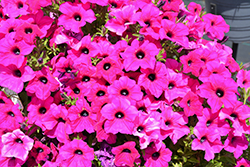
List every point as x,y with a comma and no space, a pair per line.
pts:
109,83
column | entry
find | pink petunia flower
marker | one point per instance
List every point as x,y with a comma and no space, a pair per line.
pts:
76,154
243,79
125,88
14,8
12,52
120,115
215,26
219,91
140,54
126,154
236,144
81,117
155,157
74,16
208,141
154,80
243,163
16,144
42,84
13,77
176,32
40,152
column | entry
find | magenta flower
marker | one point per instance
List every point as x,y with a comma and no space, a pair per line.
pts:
208,141
81,117
16,144
9,26
122,19
76,153
172,5
40,152
215,26
243,79
13,77
12,52
74,16
236,144
15,8
139,54
176,85
126,154
192,63
219,91
125,88
155,157
242,163
176,32
11,161
153,80
214,68
120,115
10,117
42,84
191,104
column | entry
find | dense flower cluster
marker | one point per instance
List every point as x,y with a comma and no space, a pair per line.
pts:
119,83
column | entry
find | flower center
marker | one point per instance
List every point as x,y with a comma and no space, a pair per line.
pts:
1,101
106,66
17,73
170,34
151,77
189,62
155,155
11,29
167,123
147,23
78,152
28,30
61,120
39,150
188,103
233,115
16,51
113,5
244,82
124,92
171,85
85,51
18,140
77,17
86,79
140,54
126,150
212,23
84,113
43,80
219,92
19,5
76,90
119,115
208,123
140,129
42,110
166,17
68,70
142,109
100,93
203,139
10,113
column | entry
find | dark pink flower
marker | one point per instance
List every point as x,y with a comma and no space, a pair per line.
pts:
243,163
140,54
175,32
125,88
126,154
13,77
42,84
154,79
9,26
219,91
81,117
236,144
192,63
120,115
121,20
15,8
208,141
16,144
243,79
35,5
12,52
40,152
191,104
215,26
76,153
74,16
155,157
10,117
